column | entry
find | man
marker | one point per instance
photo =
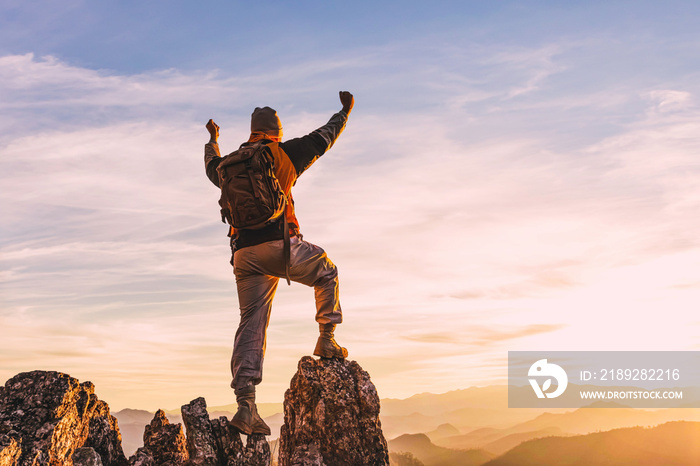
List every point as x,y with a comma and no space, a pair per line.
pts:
259,258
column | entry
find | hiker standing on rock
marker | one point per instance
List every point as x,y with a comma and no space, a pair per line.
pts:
266,242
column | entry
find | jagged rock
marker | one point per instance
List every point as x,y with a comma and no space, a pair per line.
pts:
86,457
331,416
256,452
142,457
163,444
104,436
51,419
54,415
10,448
201,443
216,442
228,441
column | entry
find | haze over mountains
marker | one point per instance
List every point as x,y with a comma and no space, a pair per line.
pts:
475,426
673,443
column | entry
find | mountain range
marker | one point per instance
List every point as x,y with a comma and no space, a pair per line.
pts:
475,426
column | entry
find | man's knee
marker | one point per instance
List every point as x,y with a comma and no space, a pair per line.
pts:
328,272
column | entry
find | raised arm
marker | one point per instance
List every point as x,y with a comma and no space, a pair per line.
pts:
305,150
212,156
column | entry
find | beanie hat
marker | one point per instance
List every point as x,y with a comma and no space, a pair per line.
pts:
265,120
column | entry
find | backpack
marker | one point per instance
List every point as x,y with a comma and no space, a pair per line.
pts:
251,194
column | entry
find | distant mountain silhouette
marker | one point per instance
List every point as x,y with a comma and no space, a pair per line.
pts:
580,421
493,396
264,409
442,431
496,441
404,459
585,420
131,425
431,455
466,410
473,418
503,444
673,443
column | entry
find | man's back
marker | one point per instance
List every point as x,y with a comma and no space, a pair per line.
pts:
261,256
291,159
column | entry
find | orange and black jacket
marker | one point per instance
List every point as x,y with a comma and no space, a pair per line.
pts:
291,159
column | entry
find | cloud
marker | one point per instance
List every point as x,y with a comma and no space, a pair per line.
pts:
670,100
46,81
536,64
433,338
488,335
453,226
480,335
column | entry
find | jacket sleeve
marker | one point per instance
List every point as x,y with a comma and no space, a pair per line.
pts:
212,158
305,150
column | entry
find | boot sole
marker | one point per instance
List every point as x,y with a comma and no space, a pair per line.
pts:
333,356
264,432
246,429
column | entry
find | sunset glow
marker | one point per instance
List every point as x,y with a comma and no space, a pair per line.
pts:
510,178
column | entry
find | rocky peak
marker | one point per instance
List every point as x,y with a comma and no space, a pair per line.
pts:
50,418
331,416
211,442
216,442
45,417
163,443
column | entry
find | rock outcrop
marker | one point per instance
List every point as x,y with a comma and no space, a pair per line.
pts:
10,449
50,418
202,444
46,417
331,416
163,443
86,456
214,442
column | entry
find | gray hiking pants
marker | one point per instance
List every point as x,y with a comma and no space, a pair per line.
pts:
257,270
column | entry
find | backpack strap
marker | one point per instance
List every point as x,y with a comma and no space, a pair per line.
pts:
287,248
287,245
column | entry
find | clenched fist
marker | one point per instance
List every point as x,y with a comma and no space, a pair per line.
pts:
213,129
347,100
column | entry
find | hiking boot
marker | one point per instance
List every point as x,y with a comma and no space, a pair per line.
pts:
247,420
326,346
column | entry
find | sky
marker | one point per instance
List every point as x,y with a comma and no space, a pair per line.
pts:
514,176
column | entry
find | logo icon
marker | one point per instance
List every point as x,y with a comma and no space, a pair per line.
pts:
542,368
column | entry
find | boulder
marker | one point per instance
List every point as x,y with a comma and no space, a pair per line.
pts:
48,416
331,416
86,456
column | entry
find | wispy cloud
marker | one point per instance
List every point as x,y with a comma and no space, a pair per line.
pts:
33,82
477,336
463,215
